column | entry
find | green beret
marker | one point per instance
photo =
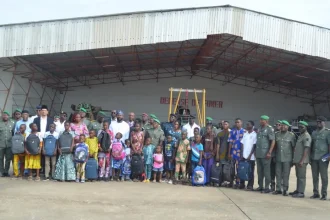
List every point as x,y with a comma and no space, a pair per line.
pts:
56,116
18,110
153,116
157,120
209,118
284,122
101,113
6,112
303,123
83,110
264,117
279,121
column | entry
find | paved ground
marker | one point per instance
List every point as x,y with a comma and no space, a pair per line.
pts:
20,199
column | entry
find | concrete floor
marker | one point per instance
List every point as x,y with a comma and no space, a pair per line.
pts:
20,199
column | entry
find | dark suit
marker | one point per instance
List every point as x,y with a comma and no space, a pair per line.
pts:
49,121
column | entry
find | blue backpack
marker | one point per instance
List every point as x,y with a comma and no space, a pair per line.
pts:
244,171
81,153
50,145
198,176
126,168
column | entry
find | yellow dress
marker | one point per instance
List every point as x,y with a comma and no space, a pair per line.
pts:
93,146
34,161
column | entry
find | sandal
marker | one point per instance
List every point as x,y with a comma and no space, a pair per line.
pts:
37,179
29,178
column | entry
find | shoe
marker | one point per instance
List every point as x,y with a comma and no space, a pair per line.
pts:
249,188
277,192
144,181
323,197
82,181
154,181
266,191
29,178
293,193
298,195
170,182
147,181
14,178
77,180
37,179
46,179
272,188
315,196
259,189
285,193
164,181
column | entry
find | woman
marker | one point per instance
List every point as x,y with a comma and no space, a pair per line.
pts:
137,139
177,132
78,127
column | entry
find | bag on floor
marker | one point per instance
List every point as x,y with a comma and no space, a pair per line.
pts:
216,172
33,144
136,165
49,145
81,153
104,141
91,169
65,142
198,176
228,171
17,146
118,152
126,168
244,171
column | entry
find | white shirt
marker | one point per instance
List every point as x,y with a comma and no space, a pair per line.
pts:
55,134
33,117
59,126
190,129
121,127
248,140
43,125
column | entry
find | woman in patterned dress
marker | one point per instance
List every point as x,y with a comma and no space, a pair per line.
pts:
137,139
78,127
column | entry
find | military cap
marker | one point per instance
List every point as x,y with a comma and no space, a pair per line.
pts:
303,123
6,112
209,119
321,118
83,110
284,122
264,117
157,120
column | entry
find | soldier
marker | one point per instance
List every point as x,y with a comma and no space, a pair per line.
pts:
169,126
273,160
150,122
264,147
156,134
320,147
285,141
209,122
145,122
6,132
301,159
98,124
82,113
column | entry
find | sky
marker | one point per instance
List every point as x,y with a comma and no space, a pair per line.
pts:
17,11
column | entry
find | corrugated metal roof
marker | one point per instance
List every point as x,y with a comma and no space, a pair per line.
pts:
162,26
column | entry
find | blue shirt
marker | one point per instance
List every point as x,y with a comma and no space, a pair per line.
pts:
235,137
148,152
21,122
169,148
196,147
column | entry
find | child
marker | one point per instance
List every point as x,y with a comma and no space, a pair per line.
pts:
181,155
118,154
18,163
158,163
169,158
50,159
65,170
126,170
32,162
92,142
196,153
80,167
148,151
104,155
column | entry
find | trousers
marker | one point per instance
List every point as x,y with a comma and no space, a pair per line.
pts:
263,169
301,177
48,161
80,168
147,170
207,164
282,175
5,159
320,168
273,171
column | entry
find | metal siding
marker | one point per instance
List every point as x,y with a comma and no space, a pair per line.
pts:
155,27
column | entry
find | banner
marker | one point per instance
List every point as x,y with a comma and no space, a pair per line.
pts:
184,102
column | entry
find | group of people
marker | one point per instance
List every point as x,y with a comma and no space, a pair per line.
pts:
169,150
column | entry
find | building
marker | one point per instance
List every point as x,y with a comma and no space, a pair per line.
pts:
250,63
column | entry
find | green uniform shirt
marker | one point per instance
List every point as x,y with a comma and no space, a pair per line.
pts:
146,126
6,133
156,135
86,122
264,137
304,141
321,142
285,142
95,125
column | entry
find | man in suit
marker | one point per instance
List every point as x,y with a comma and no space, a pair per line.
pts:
43,121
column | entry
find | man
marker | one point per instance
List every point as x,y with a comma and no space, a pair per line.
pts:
223,145
18,114
6,133
85,120
156,134
25,120
38,109
208,141
169,126
220,126
43,121
248,142
285,142
131,119
190,126
113,115
264,147
273,160
61,122
98,124
234,152
320,147
209,122
120,126
301,159
145,122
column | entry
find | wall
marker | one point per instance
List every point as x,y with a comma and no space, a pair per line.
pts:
144,96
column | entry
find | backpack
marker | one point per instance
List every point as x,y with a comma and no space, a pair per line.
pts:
65,142
228,171
244,171
126,168
198,176
49,145
33,144
216,173
136,164
81,153
91,169
104,140
118,152
17,144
